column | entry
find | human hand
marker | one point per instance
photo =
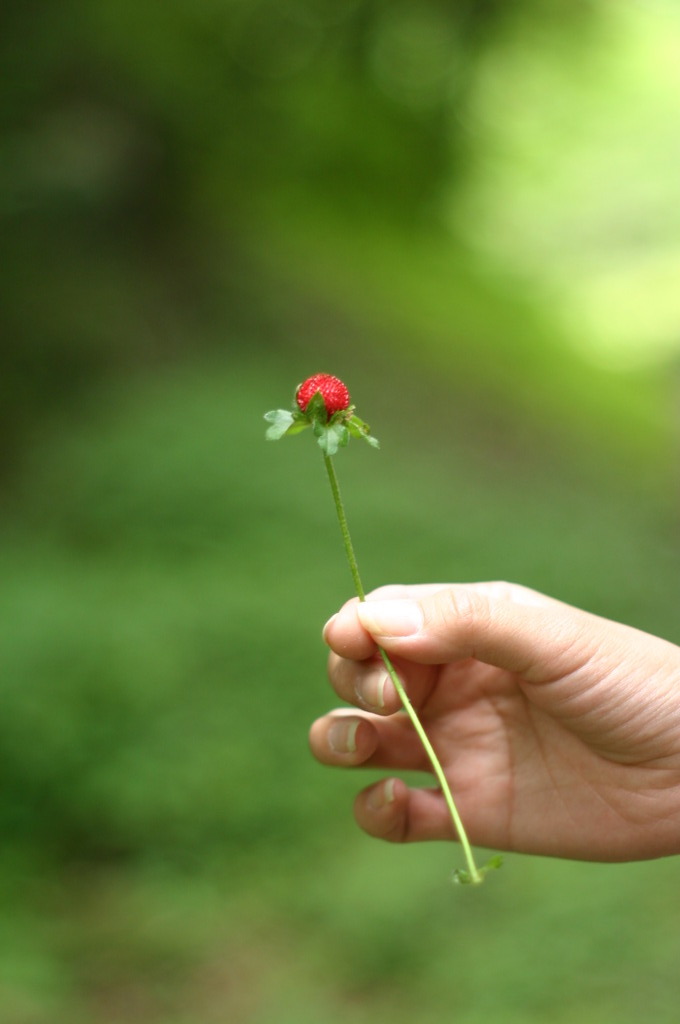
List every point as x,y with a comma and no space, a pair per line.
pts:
558,731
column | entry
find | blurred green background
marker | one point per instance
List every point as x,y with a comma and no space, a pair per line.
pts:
471,212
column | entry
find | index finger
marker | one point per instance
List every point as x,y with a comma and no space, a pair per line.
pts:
345,635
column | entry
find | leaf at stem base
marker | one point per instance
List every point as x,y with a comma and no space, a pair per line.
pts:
463,877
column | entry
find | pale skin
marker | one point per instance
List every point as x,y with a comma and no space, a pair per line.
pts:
558,730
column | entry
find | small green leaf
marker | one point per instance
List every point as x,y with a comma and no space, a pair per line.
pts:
463,877
280,420
326,444
360,429
332,437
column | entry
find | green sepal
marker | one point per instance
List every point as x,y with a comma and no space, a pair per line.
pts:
331,434
358,428
299,425
280,421
283,422
331,437
316,409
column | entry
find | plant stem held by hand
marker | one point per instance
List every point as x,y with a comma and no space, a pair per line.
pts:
323,403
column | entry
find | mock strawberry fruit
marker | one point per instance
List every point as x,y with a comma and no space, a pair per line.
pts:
334,393
321,402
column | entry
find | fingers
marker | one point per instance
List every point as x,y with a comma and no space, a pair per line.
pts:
388,809
356,669
346,636
344,633
368,685
501,624
364,683
392,811
346,738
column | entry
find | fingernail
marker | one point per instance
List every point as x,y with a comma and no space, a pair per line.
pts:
342,735
390,618
371,690
381,795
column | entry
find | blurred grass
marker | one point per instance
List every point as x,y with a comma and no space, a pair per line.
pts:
195,217
174,853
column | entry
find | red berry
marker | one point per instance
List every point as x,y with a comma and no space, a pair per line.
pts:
334,393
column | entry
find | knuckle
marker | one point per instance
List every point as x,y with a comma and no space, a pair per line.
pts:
462,607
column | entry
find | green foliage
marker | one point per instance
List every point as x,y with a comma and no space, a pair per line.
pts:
280,423
165,577
200,204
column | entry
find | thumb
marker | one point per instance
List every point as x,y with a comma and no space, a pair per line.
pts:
504,625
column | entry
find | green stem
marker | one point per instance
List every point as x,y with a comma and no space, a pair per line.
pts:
344,528
475,876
